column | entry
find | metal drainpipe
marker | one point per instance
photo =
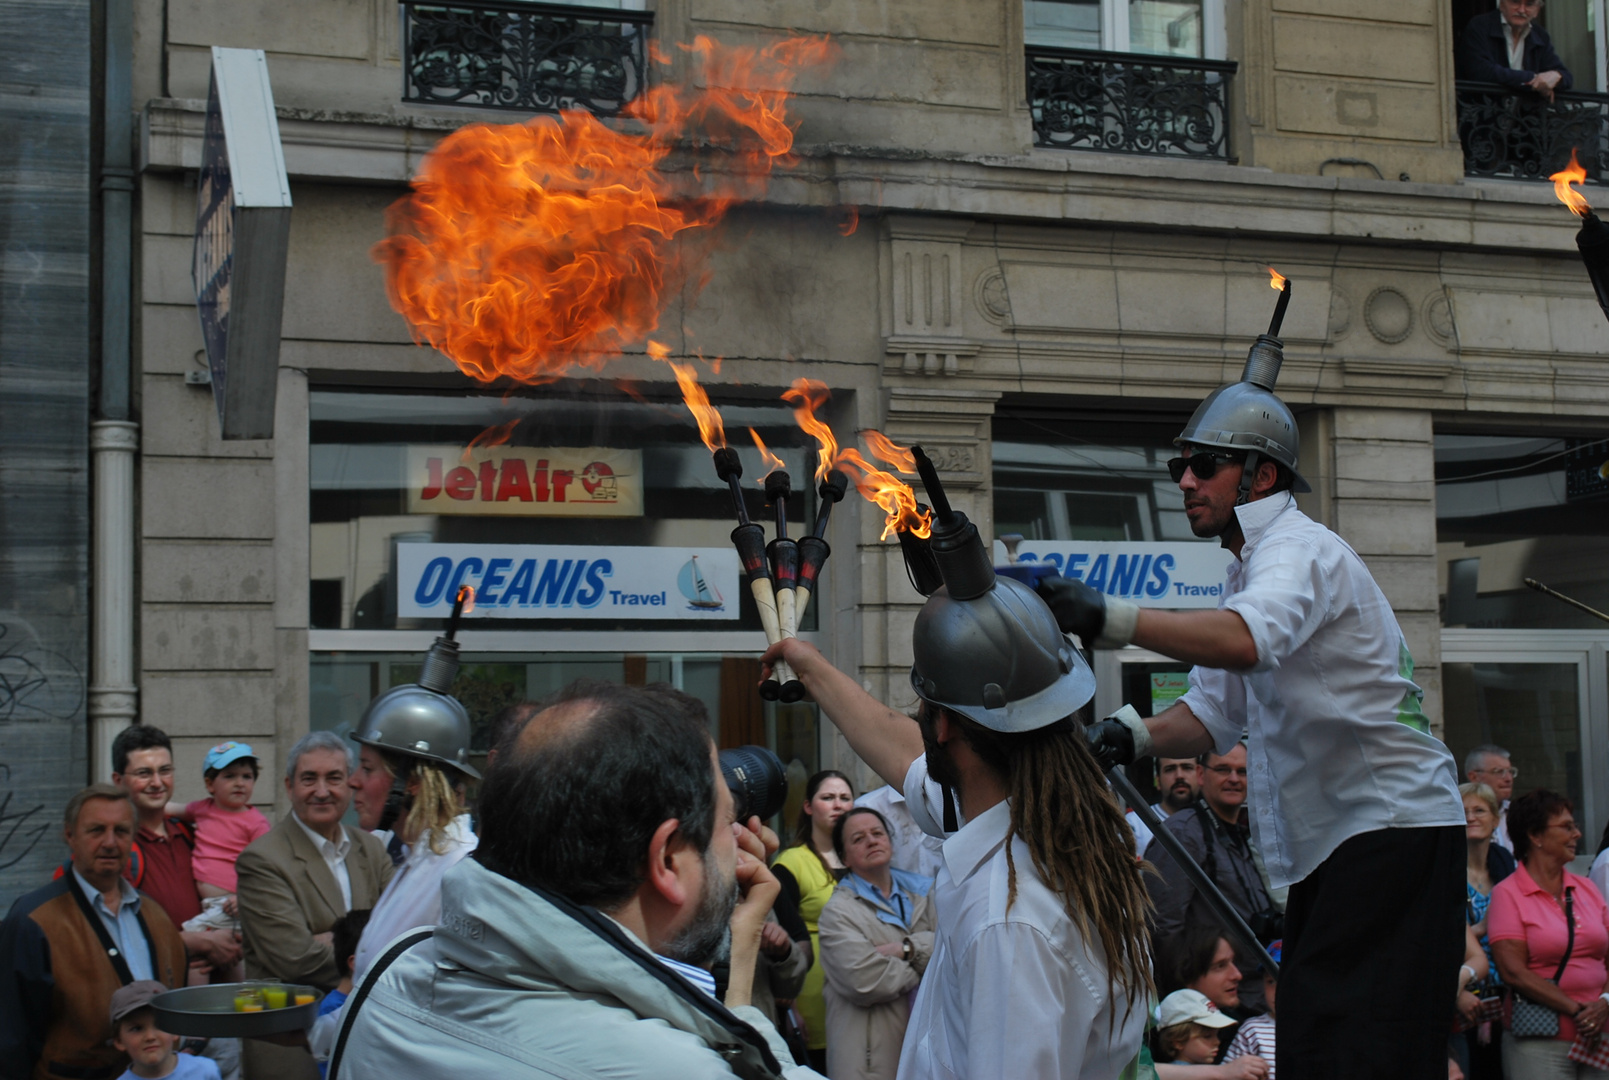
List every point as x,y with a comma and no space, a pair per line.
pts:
114,438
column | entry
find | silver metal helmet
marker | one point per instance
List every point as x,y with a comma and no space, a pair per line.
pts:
417,721
1247,417
998,659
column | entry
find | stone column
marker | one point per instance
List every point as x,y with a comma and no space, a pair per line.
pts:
113,696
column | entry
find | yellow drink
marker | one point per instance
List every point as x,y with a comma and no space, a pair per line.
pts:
254,1006
248,1001
306,999
274,997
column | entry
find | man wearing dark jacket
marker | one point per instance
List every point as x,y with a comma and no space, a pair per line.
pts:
1507,47
65,950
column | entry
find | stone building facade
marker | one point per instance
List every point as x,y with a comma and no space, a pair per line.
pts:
995,287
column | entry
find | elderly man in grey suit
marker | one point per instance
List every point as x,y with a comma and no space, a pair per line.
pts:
296,880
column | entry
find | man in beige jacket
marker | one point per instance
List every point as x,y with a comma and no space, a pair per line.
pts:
296,880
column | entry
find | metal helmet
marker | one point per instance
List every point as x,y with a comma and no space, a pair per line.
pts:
1247,417
988,647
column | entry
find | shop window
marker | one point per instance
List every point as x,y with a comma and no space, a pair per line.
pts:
1515,507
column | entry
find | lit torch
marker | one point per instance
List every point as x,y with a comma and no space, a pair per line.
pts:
1282,284
806,396
1593,238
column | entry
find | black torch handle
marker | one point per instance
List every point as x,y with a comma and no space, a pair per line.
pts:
831,491
729,467
1279,309
930,480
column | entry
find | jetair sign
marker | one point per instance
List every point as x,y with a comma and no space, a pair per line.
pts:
524,481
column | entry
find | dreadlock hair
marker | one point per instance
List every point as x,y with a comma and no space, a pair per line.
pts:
436,804
1083,850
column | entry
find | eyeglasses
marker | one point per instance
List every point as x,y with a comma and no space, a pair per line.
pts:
1201,463
1227,770
1512,774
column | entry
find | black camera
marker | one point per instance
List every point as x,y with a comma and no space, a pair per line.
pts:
758,781
1269,926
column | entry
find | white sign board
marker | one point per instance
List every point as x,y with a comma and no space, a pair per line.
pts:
1177,575
582,581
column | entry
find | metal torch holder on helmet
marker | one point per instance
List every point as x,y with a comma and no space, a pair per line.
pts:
1248,418
421,720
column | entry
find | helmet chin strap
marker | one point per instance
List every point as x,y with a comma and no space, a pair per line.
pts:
397,802
1248,477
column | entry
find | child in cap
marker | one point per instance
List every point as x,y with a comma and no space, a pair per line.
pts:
226,822
1256,1036
1188,1027
150,1049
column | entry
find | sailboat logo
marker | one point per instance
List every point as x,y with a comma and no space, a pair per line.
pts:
700,594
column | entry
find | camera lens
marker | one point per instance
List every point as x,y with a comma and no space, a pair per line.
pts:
758,781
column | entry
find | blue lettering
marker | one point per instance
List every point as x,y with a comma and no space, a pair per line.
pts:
1075,565
575,579
1139,578
469,566
433,582
520,588
1096,578
495,572
1123,575
600,569
551,584
1159,576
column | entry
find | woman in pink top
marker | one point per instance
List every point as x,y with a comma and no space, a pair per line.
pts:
1527,929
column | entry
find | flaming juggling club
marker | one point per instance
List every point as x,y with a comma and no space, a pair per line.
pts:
813,549
1593,238
784,557
749,539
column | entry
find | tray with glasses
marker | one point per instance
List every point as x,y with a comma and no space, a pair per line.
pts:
248,1010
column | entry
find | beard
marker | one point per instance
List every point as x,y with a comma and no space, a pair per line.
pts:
708,938
1178,797
940,767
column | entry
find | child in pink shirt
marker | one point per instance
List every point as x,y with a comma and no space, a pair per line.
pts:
226,822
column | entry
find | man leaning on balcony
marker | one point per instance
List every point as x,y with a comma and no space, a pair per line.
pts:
1506,46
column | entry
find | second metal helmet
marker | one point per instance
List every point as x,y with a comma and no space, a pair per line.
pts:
998,659
418,722
1248,416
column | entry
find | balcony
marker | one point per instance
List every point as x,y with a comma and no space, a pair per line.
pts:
523,57
1130,103
1515,135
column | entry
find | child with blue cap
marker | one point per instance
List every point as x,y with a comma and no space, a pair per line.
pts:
226,823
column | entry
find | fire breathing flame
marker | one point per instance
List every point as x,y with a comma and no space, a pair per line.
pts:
772,462
1276,280
1569,196
806,396
710,427
466,593
528,250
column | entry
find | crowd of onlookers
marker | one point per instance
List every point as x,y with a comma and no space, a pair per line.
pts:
156,894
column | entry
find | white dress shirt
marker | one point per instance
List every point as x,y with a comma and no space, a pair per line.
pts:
1338,745
1007,993
914,850
1500,837
334,856
412,898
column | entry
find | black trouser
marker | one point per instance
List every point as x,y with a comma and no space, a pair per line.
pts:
1373,940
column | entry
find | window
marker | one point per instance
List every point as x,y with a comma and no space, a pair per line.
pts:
1184,28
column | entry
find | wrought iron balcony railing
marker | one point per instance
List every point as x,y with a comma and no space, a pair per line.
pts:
1519,135
1130,103
523,56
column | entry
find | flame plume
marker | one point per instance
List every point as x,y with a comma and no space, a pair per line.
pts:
772,462
1276,280
466,593
806,396
1569,196
885,450
710,427
527,250
893,495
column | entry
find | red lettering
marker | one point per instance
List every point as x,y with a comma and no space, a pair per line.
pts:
488,473
460,484
432,478
514,482
541,479
562,478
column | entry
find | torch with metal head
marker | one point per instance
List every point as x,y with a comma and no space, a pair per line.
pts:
749,539
813,548
784,556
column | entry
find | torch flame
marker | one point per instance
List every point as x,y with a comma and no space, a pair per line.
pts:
806,396
530,249
888,491
772,462
466,593
1569,196
710,427
885,449
496,435
1276,280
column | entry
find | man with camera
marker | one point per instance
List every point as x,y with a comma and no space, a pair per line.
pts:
1219,840
577,940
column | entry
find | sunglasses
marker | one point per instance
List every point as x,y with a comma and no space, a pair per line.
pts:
1202,464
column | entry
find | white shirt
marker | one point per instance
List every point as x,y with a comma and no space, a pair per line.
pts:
914,850
1516,45
1501,837
1142,833
1338,744
334,857
1599,874
1007,993
412,897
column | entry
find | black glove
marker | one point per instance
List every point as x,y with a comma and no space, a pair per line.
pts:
1111,742
1078,608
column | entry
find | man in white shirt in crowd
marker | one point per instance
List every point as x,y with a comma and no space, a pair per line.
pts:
1354,804
1490,765
1036,850
914,850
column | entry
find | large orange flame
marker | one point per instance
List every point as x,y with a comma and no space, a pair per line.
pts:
710,427
530,249
772,462
806,396
1569,196
893,495
1276,280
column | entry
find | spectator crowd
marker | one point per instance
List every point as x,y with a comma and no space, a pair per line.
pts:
605,876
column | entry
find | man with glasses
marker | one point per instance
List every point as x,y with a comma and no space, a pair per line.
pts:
1217,836
1354,804
1489,764
1507,47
